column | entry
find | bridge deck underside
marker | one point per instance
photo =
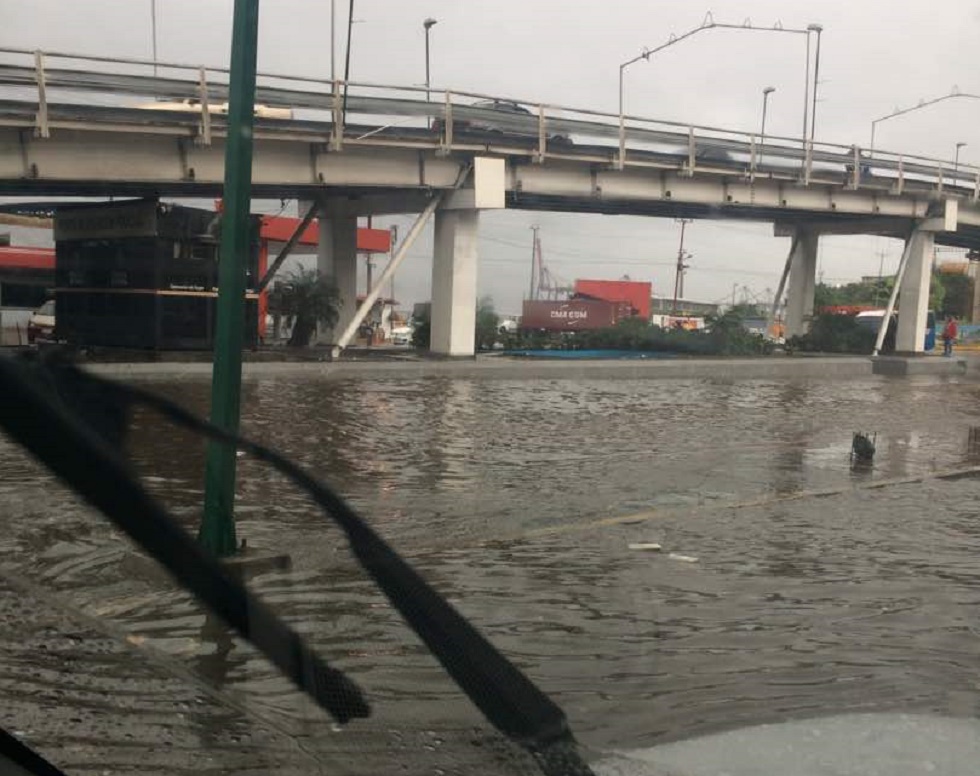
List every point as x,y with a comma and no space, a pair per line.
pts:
123,159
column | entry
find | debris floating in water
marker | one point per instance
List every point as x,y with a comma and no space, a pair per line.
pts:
651,546
863,446
682,558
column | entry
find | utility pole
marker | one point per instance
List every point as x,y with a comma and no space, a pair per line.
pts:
681,266
217,532
534,261
881,269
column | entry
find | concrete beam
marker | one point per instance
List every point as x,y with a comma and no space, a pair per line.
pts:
337,259
454,267
913,297
802,284
137,159
410,201
891,227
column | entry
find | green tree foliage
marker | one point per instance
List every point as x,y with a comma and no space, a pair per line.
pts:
746,311
937,292
487,324
872,294
958,300
308,298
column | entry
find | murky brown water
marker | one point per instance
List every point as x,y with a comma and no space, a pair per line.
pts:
800,603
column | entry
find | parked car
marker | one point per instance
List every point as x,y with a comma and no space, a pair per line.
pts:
402,335
503,107
871,319
40,326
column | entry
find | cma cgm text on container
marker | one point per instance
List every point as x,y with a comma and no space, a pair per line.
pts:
573,315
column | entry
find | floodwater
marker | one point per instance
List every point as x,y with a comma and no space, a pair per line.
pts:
805,587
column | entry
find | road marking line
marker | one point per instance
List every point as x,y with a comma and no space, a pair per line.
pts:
652,514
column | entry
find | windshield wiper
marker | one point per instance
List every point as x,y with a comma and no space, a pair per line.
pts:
17,758
73,422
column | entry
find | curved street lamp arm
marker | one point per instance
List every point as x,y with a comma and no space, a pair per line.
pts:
920,106
707,24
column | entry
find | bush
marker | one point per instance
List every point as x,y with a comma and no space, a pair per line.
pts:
725,336
487,324
830,333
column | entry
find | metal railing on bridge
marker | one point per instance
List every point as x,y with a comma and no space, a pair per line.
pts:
56,89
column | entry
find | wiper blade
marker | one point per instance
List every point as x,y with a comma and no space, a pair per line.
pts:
17,758
509,700
89,461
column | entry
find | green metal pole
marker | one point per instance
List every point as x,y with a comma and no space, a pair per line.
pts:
217,533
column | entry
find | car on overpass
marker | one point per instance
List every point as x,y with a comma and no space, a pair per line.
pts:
504,107
190,105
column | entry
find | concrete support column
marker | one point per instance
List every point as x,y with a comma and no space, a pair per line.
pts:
913,299
802,284
337,259
454,282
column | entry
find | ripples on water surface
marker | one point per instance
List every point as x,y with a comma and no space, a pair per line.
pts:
861,600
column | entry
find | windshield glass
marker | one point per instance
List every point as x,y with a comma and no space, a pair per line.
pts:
571,494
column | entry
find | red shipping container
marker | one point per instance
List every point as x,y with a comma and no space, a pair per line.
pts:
573,315
635,292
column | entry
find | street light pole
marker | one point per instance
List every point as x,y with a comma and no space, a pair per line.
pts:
217,531
428,25
153,28
333,41
817,28
956,161
765,105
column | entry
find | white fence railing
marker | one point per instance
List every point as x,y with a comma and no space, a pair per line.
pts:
358,113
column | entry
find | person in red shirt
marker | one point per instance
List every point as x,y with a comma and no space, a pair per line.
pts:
950,333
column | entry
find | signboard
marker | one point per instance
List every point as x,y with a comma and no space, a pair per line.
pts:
138,219
573,315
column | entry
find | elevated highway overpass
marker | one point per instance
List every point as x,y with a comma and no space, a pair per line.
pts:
72,125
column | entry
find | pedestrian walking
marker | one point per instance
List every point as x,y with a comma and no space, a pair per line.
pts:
950,332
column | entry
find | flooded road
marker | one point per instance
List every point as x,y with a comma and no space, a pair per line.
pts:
812,592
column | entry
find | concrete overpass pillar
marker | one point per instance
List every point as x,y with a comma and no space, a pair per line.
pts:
454,282
337,259
802,284
913,300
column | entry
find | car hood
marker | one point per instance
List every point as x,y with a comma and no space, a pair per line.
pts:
843,745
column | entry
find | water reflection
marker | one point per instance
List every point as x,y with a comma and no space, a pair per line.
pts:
788,469
794,606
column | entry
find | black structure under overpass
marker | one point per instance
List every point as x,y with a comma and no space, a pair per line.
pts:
414,200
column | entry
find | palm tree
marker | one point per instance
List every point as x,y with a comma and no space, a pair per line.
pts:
308,298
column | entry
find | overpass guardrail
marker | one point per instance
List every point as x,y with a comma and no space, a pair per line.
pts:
52,87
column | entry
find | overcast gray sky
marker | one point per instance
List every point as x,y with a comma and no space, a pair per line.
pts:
877,55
